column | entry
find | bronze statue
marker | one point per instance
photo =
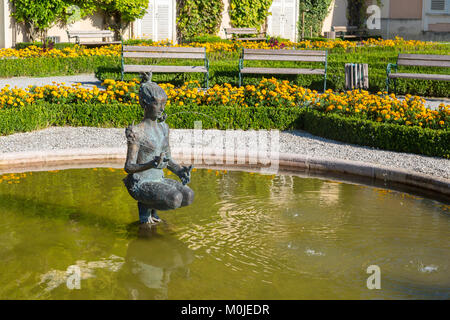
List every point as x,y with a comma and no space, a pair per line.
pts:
148,154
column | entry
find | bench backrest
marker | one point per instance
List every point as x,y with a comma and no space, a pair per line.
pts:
241,31
163,52
285,55
90,34
344,28
424,60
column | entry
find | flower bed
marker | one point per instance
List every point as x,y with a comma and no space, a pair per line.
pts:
223,46
224,55
378,107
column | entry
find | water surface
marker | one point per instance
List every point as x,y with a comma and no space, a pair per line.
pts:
246,236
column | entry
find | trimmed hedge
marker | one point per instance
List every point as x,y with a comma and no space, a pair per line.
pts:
61,45
378,135
47,66
347,129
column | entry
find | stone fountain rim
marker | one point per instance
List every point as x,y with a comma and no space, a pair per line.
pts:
74,158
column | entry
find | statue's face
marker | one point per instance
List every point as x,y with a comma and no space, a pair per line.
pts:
155,107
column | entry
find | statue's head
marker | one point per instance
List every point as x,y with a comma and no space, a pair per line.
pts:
152,97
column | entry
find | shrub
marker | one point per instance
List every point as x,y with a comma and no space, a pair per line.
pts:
347,129
60,45
268,93
379,135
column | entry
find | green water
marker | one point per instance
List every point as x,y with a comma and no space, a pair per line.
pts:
246,236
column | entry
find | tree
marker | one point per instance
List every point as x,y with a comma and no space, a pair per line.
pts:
198,17
119,13
38,16
315,12
249,13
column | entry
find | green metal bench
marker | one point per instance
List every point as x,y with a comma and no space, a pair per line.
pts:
165,53
417,60
283,55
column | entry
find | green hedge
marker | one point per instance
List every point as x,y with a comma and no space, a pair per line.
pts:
61,45
347,129
378,135
46,66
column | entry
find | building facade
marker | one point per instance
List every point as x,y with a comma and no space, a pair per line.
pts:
409,19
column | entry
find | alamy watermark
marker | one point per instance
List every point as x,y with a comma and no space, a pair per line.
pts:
233,147
374,20
374,281
73,277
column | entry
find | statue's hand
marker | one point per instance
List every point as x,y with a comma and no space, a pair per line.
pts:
185,174
158,161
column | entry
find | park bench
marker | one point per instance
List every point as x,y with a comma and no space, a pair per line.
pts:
283,55
347,32
417,60
260,36
79,35
165,53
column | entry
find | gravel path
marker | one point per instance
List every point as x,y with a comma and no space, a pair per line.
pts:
299,142
86,80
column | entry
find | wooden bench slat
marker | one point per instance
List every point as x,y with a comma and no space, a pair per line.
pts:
89,31
250,39
98,43
260,36
93,36
420,76
423,63
164,55
244,32
344,28
424,57
284,58
241,30
164,49
286,52
282,71
159,69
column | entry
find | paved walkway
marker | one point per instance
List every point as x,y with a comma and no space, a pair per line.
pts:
86,80
89,80
298,142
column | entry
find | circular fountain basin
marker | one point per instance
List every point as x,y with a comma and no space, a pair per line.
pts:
246,236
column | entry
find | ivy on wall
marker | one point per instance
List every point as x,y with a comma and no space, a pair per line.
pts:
198,17
249,13
315,13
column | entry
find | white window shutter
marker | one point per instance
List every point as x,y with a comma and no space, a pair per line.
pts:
275,19
163,19
148,22
289,23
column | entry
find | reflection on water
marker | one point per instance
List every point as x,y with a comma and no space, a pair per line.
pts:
150,260
246,236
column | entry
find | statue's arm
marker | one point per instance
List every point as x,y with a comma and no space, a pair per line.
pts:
171,165
184,173
131,165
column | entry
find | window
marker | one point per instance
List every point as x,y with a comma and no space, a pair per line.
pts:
439,6
158,23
